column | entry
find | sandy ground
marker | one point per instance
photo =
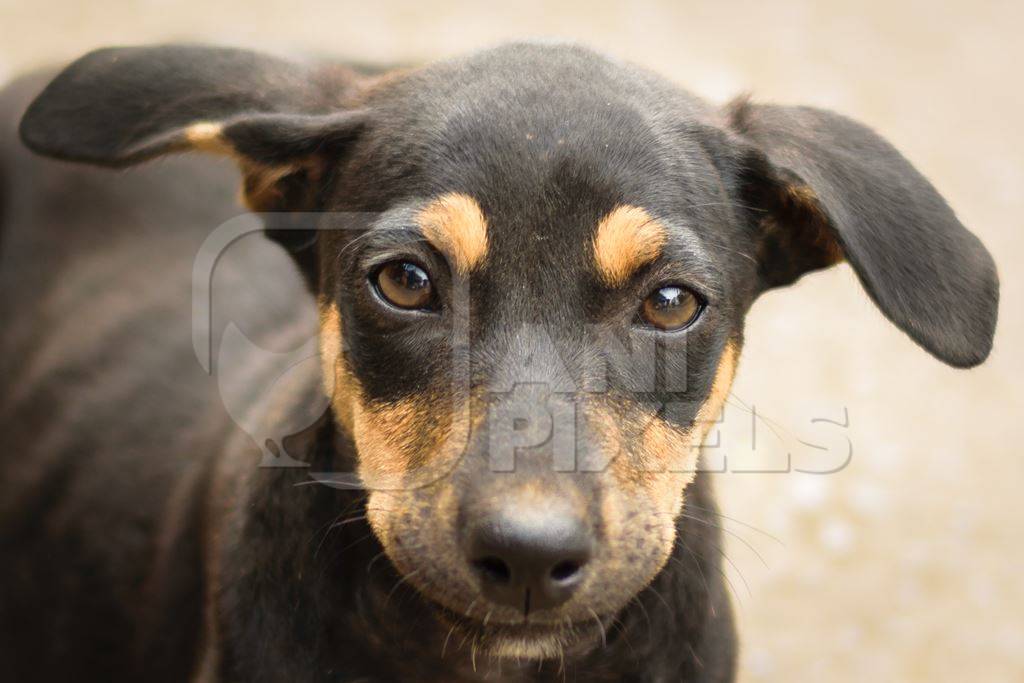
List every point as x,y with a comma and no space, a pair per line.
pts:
906,565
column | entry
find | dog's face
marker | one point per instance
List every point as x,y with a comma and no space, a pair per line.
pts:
532,268
527,344
529,341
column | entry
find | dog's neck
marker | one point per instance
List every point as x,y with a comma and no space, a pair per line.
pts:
308,568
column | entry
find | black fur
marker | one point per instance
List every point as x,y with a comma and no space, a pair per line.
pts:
127,487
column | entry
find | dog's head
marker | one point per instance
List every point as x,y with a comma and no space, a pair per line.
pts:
532,267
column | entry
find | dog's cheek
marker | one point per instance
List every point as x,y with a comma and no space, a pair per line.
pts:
396,519
638,540
409,443
669,455
651,462
339,385
417,531
638,505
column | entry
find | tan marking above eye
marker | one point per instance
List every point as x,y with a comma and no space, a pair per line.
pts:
626,239
455,225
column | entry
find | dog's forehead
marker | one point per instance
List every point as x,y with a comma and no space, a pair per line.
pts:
531,119
540,147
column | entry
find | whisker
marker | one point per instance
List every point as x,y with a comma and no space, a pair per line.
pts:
356,542
732,586
700,570
721,247
376,557
462,642
346,510
337,524
469,610
600,625
350,520
444,647
772,425
736,521
398,583
658,595
311,482
643,609
735,205
707,587
616,622
735,568
728,531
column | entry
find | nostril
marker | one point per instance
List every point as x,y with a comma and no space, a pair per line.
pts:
565,571
494,569
540,551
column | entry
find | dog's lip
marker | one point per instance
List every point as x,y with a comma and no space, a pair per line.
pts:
488,622
478,624
521,630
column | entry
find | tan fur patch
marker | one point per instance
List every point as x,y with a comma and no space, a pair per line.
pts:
808,225
455,224
626,239
419,437
547,647
330,342
663,438
724,375
394,437
207,136
260,191
339,385
663,448
409,443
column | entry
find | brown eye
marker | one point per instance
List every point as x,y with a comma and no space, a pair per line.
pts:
671,308
405,285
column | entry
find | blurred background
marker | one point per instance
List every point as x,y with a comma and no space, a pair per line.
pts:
906,565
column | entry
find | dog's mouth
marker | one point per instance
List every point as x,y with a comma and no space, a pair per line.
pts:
523,640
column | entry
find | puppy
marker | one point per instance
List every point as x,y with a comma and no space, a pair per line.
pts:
530,268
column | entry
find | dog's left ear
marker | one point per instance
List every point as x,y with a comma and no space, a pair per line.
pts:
117,107
284,123
824,188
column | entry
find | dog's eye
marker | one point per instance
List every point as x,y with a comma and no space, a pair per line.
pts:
405,285
671,308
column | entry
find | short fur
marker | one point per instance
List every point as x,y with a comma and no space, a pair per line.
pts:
140,539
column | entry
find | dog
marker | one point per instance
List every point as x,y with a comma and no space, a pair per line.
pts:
528,269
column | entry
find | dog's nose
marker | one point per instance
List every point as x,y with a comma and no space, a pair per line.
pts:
529,560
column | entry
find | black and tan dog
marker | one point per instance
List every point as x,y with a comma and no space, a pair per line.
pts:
533,219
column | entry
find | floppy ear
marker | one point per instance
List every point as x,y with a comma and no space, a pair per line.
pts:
825,188
282,122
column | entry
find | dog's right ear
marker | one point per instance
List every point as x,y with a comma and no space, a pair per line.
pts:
119,106
825,188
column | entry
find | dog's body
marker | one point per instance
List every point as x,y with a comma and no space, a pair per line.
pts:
110,536
141,540
110,526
